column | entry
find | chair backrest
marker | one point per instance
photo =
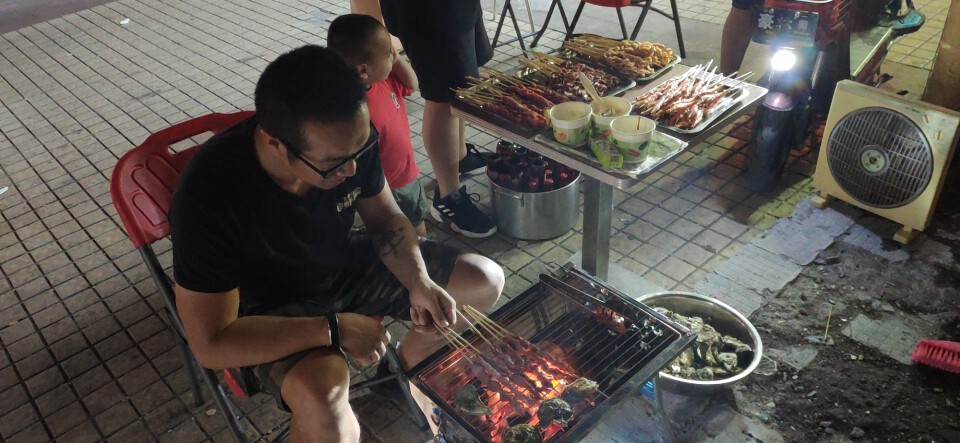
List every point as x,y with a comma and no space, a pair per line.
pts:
144,179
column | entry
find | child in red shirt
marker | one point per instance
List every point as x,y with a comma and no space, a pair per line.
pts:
364,42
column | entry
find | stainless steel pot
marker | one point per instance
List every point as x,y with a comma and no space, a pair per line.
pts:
724,319
535,215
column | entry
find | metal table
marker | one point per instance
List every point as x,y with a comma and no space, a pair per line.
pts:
599,182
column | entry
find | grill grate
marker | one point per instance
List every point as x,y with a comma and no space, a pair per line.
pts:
597,332
880,157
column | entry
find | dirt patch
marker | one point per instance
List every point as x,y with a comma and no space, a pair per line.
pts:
849,390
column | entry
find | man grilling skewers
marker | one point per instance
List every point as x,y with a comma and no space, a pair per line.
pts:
268,275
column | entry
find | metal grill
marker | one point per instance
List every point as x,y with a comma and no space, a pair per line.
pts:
880,157
592,329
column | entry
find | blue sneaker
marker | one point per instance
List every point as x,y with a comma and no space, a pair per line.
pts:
475,162
463,215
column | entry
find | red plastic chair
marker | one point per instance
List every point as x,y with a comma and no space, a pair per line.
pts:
647,6
141,187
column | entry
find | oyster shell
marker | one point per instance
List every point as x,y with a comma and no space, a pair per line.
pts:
554,410
522,433
467,400
712,356
580,390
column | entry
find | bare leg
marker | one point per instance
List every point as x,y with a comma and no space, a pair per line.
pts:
441,139
317,391
737,31
421,229
463,140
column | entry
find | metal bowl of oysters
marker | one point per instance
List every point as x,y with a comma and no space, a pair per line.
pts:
727,348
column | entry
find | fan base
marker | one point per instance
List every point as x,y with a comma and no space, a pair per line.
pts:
821,201
903,236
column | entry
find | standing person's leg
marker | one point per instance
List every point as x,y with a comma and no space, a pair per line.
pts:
441,139
443,63
737,31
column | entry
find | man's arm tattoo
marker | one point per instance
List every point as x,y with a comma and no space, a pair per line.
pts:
387,241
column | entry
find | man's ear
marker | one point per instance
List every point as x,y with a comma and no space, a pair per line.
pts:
362,70
276,147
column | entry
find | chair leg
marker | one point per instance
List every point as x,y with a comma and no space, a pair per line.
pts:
676,22
415,413
623,25
576,18
191,371
558,5
516,27
503,16
643,16
226,407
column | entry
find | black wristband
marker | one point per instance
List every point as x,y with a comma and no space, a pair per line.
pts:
334,326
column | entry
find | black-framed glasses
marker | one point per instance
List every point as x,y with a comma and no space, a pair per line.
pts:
326,173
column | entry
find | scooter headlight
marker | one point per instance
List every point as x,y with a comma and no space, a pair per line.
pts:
783,60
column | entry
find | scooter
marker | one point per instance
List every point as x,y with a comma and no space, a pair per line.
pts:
811,52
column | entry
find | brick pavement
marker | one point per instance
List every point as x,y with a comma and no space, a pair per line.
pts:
87,352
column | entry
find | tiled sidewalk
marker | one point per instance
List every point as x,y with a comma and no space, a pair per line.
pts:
87,354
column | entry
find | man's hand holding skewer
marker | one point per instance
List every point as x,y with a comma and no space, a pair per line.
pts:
432,307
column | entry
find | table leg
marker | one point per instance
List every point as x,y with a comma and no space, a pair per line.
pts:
669,436
597,211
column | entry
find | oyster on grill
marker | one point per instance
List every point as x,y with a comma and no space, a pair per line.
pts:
467,400
554,410
522,433
580,390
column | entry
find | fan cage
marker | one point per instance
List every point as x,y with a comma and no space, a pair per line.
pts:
906,150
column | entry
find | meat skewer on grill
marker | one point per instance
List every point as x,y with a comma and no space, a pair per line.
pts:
519,347
489,376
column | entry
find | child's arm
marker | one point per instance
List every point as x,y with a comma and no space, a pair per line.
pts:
404,72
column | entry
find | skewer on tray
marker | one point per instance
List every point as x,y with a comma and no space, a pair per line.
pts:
503,106
561,76
689,99
629,58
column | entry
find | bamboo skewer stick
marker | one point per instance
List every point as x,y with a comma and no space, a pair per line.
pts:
483,318
827,329
547,57
477,331
459,342
483,324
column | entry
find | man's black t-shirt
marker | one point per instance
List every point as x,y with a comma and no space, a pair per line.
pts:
234,228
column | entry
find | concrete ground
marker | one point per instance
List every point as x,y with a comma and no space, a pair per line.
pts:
87,353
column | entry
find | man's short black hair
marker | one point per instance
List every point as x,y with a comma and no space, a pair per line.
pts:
307,84
350,35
